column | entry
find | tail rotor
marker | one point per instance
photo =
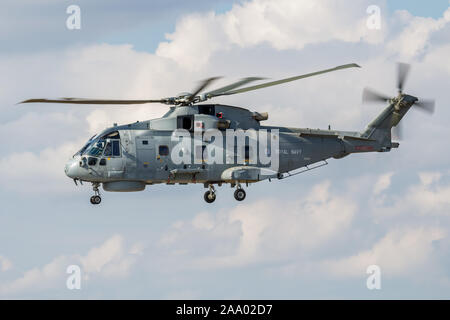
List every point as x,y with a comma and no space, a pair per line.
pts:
402,102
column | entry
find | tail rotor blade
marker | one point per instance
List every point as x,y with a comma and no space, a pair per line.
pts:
425,105
370,95
403,70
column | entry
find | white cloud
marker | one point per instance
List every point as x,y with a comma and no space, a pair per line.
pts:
401,252
111,259
383,183
282,24
427,178
38,279
429,197
261,231
96,259
5,264
415,36
36,173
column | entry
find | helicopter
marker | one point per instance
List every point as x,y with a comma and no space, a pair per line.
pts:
216,144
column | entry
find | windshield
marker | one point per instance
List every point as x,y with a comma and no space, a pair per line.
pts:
81,151
95,145
95,149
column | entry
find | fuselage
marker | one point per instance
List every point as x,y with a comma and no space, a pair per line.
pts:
201,144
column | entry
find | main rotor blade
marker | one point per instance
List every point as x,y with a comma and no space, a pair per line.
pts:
370,95
425,105
201,87
232,86
274,83
92,101
403,70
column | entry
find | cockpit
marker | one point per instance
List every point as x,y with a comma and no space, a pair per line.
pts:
102,154
107,145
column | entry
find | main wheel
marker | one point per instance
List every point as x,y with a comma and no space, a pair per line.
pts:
209,196
96,199
239,194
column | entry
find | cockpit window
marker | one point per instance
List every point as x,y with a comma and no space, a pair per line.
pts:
112,149
116,148
96,148
108,150
82,150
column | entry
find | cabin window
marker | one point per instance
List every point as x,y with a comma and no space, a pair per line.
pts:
145,142
185,122
163,150
102,162
116,148
205,109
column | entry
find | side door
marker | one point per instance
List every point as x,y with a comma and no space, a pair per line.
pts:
145,157
162,160
115,162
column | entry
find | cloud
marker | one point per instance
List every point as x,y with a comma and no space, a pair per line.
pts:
260,231
428,178
383,183
36,173
106,19
112,259
428,197
37,279
415,36
5,264
282,24
401,252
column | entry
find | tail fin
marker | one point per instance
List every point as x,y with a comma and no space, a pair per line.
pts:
380,128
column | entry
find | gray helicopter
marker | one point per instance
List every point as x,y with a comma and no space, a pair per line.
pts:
215,144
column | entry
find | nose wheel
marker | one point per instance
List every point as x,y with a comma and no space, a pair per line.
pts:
96,199
239,194
210,195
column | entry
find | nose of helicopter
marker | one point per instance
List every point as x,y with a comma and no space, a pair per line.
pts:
72,168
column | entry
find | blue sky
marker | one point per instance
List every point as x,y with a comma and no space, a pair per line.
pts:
311,236
419,8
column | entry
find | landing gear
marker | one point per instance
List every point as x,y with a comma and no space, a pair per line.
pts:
210,195
96,199
239,194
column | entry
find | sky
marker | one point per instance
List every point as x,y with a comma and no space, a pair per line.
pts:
311,236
